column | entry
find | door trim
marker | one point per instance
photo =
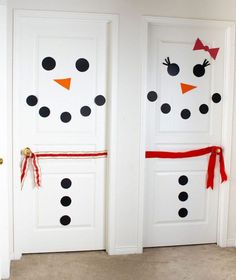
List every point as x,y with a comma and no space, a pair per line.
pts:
112,21
227,115
4,169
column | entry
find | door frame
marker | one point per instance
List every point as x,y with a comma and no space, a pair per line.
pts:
227,115
4,169
112,22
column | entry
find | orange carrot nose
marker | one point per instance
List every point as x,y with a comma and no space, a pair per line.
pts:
185,87
64,82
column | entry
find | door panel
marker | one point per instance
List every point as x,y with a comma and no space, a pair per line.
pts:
185,90
60,93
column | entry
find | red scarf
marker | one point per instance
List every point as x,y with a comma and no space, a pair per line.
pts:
32,158
213,151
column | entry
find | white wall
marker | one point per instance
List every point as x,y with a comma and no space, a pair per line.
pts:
127,189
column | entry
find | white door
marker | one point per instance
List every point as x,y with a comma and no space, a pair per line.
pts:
185,92
60,100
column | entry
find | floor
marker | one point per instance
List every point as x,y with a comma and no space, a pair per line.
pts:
202,262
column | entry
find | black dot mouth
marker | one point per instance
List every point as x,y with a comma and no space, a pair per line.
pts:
65,117
165,108
185,114
216,97
44,112
85,111
203,109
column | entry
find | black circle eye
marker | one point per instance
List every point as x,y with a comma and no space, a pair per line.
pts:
48,63
82,64
198,70
173,69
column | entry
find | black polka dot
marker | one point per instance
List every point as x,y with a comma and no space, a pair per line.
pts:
183,196
31,100
165,108
216,97
65,201
152,96
204,109
100,100
44,112
173,69
183,180
65,117
85,111
65,220
49,63
185,114
183,212
82,64
66,183
199,70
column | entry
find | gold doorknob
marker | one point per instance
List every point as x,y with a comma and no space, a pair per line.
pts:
26,152
1,161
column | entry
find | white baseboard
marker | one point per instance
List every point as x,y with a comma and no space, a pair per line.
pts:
5,270
231,243
126,250
15,256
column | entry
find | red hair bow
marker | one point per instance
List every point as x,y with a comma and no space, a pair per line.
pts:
199,46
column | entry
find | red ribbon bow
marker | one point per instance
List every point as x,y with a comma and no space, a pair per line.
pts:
199,46
213,150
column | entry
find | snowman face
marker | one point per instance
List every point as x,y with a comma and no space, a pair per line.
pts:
185,93
66,93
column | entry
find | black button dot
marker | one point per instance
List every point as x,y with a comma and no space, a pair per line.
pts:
48,63
31,100
152,96
100,100
199,70
65,220
66,183
185,114
44,112
204,109
65,117
183,196
82,64
85,111
65,201
165,108
183,180
183,212
216,97
173,69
